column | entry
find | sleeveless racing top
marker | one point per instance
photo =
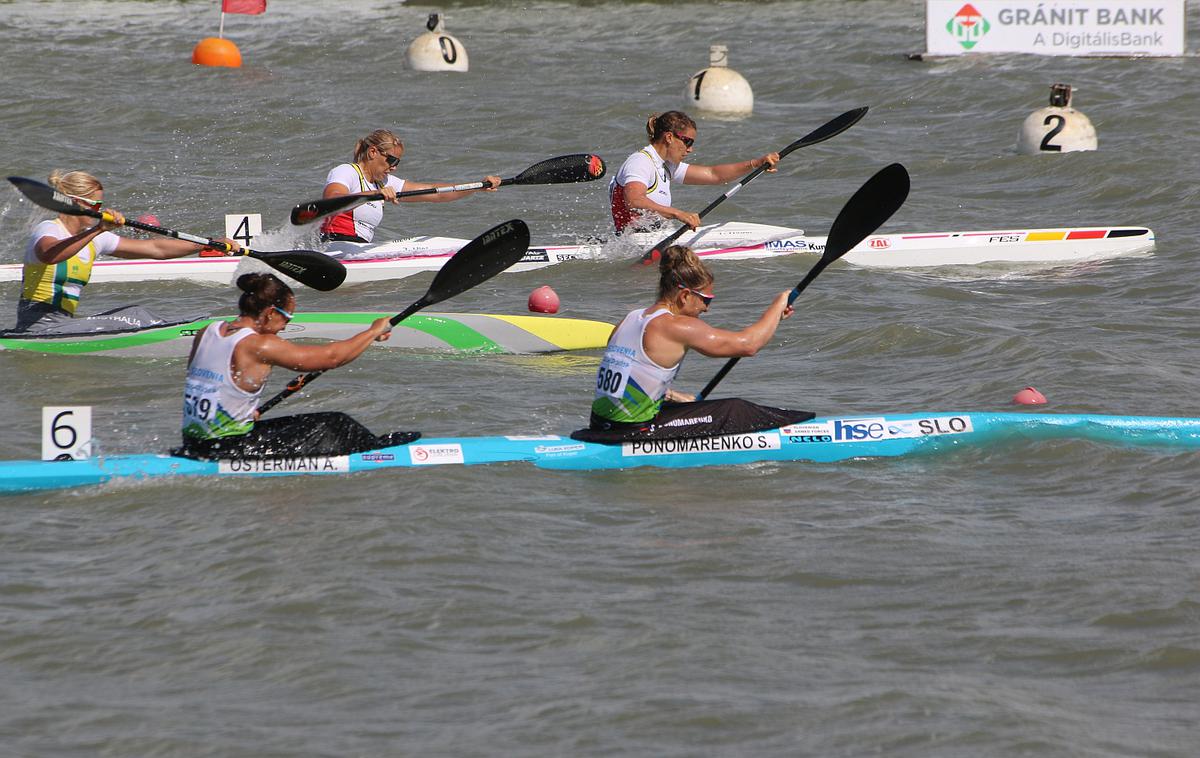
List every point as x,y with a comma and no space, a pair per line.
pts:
361,221
647,167
213,406
630,387
60,284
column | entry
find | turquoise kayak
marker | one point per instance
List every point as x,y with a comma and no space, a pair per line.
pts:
820,440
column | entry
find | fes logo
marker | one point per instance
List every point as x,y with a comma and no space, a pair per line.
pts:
968,26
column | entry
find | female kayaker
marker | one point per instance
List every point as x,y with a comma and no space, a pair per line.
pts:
634,399
60,254
640,192
230,363
375,157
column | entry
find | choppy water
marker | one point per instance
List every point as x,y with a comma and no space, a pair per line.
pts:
1036,600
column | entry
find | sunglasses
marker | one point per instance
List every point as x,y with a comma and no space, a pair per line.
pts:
287,317
391,159
704,297
687,141
93,204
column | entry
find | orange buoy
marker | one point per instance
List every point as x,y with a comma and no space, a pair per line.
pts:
543,300
1029,396
216,51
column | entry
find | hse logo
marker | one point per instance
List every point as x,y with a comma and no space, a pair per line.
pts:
968,26
859,429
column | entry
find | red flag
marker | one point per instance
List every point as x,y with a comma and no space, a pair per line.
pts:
253,7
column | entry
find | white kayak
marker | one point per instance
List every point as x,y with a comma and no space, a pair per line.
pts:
728,241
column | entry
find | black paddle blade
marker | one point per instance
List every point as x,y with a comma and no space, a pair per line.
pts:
48,197
566,169
310,268
866,210
306,213
480,260
830,129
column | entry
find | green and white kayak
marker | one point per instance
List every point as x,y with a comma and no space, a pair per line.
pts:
458,332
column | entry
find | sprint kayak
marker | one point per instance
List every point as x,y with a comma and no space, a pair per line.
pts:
820,440
458,332
728,241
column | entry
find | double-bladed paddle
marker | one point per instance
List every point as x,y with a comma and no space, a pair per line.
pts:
479,260
310,268
873,204
820,134
566,169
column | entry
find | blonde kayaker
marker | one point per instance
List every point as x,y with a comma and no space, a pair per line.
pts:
60,254
375,157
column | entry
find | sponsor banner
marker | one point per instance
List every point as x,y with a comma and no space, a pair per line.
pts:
434,455
1056,27
316,464
552,450
532,437
729,443
875,428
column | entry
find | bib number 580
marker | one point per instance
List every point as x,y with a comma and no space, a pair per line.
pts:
608,381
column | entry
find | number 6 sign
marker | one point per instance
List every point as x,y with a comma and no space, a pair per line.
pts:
66,433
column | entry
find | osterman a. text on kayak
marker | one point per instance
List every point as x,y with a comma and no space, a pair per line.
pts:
634,399
61,251
375,157
231,361
640,192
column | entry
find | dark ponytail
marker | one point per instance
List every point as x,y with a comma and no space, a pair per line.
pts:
671,121
681,267
260,291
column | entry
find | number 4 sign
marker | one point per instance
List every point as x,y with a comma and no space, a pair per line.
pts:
243,227
66,433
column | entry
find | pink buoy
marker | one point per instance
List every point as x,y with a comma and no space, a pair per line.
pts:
148,218
543,300
1029,396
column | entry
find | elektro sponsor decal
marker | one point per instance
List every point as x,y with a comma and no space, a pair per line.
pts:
729,443
312,464
434,455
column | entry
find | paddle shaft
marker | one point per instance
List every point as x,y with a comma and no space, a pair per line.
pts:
828,130
479,260
729,364
299,382
865,211
566,169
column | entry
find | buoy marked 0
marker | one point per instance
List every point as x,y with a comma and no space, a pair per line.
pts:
66,432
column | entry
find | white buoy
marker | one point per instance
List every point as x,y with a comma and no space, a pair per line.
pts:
718,88
435,50
1058,128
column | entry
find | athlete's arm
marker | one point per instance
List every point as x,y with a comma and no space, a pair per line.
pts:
727,172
